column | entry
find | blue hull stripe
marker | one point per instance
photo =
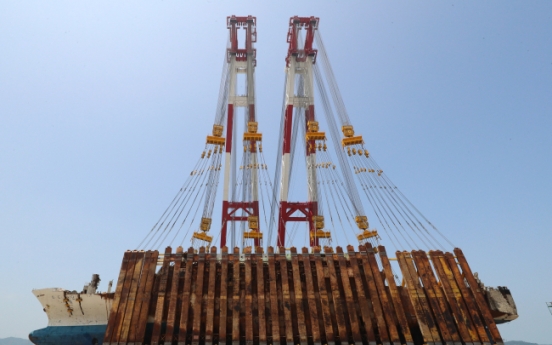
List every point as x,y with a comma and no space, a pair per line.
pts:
69,335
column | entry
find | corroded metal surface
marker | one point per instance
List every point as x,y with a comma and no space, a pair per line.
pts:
296,297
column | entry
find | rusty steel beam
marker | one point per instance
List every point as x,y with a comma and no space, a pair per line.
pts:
256,298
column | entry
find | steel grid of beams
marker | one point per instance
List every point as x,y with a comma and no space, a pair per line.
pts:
279,297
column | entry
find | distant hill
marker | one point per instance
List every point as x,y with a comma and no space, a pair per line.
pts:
15,341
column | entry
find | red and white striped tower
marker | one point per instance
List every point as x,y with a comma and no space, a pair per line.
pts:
299,61
241,61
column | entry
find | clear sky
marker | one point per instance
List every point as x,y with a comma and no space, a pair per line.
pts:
104,106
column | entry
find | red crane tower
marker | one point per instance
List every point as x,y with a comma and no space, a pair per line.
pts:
300,65
241,61
300,58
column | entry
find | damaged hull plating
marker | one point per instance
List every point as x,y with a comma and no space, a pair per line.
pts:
73,317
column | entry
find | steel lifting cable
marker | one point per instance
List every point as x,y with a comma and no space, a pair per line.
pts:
261,201
391,190
321,197
385,206
250,82
374,202
340,197
334,133
178,195
211,186
234,173
360,162
223,92
268,185
297,119
326,185
379,199
247,180
413,226
179,202
241,176
334,87
402,196
338,103
179,212
207,210
310,183
220,115
336,181
330,186
192,179
319,189
342,200
293,233
383,220
199,184
293,157
193,218
383,223
278,166
215,188
222,102
324,195
188,214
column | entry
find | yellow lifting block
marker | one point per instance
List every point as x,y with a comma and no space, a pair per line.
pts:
215,140
348,131
253,222
202,236
315,136
252,127
253,234
312,126
217,130
318,222
205,224
253,136
362,222
320,234
366,234
352,141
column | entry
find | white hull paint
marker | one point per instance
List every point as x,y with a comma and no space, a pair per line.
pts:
63,307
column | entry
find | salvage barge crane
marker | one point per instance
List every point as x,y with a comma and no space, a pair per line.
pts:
263,290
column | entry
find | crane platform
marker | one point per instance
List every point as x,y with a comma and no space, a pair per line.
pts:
298,297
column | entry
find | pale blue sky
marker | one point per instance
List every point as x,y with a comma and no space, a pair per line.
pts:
105,105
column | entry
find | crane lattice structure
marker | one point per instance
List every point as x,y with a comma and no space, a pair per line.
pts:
340,172
259,288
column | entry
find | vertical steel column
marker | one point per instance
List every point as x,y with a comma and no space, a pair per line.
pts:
244,60
299,61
